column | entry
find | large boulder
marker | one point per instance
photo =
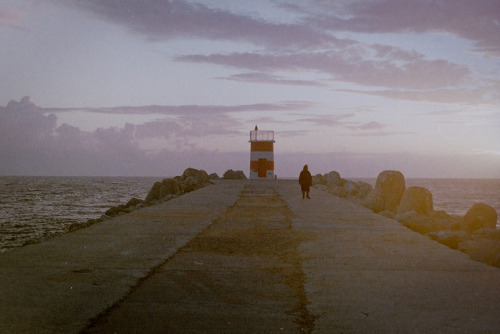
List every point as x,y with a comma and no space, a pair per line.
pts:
333,179
416,199
154,193
234,175
190,184
480,215
388,191
200,176
169,187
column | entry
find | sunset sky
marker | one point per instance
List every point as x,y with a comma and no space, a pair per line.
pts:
151,87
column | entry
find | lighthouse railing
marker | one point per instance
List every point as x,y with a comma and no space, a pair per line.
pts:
261,135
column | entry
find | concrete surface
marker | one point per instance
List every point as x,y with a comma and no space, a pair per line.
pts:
247,257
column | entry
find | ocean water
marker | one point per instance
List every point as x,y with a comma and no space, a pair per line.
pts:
33,208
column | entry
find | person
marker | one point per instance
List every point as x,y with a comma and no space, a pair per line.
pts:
305,181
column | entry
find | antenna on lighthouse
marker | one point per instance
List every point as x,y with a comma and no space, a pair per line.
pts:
261,154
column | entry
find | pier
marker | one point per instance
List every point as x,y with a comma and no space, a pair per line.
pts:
247,257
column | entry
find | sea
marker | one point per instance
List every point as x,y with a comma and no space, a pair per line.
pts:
35,208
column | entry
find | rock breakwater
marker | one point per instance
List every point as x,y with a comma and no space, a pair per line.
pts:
475,233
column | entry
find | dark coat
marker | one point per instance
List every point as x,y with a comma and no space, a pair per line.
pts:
305,180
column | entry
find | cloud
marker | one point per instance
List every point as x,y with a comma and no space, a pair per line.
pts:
11,17
486,94
475,20
348,66
265,78
165,20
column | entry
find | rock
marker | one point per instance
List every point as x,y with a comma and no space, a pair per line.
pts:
134,202
487,233
424,224
333,179
190,184
169,187
449,238
213,176
388,214
480,215
154,193
234,175
388,191
200,176
115,210
318,179
363,189
482,250
416,199
351,188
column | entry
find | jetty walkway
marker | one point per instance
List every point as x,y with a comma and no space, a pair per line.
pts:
247,257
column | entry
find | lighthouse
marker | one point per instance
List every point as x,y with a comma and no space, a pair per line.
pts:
261,154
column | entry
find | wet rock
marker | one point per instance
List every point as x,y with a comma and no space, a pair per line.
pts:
416,199
234,175
388,191
479,216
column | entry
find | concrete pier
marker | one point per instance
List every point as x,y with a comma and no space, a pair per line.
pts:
247,257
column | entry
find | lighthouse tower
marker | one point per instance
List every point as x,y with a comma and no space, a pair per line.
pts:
261,154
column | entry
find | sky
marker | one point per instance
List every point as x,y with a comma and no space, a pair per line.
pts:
152,87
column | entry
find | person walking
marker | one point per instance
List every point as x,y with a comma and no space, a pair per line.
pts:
305,181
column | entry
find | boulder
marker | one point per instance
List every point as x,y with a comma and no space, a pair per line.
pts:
416,199
200,176
234,175
190,184
482,250
318,179
351,188
449,238
154,193
133,202
213,176
115,210
480,215
388,191
424,224
333,179
169,187
364,189
487,233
